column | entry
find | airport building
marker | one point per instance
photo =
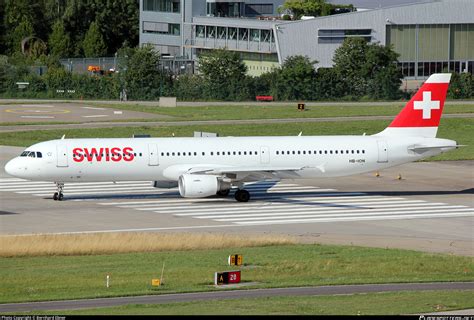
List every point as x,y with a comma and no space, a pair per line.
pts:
430,36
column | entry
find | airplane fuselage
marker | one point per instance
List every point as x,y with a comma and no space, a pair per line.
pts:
165,159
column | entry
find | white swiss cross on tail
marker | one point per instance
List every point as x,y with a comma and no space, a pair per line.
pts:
430,101
426,105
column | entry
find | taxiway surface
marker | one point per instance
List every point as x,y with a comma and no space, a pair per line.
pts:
430,209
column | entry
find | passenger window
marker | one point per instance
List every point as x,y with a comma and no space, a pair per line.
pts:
203,153
325,152
140,154
330,151
363,151
172,154
245,153
335,151
278,152
357,151
212,153
299,152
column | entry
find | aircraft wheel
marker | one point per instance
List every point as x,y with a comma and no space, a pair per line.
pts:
242,195
55,196
223,193
60,197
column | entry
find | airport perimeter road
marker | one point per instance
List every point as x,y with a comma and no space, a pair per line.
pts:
430,209
235,294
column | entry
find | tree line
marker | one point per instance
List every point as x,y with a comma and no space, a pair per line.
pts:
68,28
361,71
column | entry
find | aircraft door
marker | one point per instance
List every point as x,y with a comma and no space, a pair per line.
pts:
383,151
61,152
153,155
264,155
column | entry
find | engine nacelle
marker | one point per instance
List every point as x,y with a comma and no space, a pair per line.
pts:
164,184
198,186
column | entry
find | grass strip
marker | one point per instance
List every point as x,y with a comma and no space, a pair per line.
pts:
461,130
72,277
126,242
397,303
243,112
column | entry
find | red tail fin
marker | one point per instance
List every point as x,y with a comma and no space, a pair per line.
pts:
422,113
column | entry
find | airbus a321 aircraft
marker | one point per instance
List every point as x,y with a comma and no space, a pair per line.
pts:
203,167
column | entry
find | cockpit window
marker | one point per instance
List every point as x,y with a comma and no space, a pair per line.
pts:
25,153
32,155
39,155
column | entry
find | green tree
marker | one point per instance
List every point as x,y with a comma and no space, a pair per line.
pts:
367,69
93,43
22,31
143,80
295,79
59,41
461,86
224,75
315,8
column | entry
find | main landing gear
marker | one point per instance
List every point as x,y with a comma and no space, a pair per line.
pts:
58,196
242,195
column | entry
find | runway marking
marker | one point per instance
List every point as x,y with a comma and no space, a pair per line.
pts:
37,106
93,108
38,117
272,203
96,116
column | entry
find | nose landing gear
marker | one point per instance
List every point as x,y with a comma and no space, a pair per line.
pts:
58,196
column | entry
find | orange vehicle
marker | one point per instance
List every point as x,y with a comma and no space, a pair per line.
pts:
93,68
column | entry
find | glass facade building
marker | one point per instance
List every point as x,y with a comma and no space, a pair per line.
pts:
429,48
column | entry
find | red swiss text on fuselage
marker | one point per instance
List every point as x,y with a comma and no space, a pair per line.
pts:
103,154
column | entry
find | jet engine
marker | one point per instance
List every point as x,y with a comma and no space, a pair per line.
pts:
165,184
200,186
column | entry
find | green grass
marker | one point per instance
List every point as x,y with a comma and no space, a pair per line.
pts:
397,303
461,130
275,112
67,277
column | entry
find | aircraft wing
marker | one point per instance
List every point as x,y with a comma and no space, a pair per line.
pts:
247,173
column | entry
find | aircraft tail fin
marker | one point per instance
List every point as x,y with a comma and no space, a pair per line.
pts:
422,114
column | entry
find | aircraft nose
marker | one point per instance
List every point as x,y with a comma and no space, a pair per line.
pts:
13,168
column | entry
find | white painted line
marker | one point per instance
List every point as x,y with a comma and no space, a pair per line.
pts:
291,213
103,193
37,106
289,210
34,189
96,116
118,112
231,202
395,217
38,117
273,206
344,213
249,224
92,108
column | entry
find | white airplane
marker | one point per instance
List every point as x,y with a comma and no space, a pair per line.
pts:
203,167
